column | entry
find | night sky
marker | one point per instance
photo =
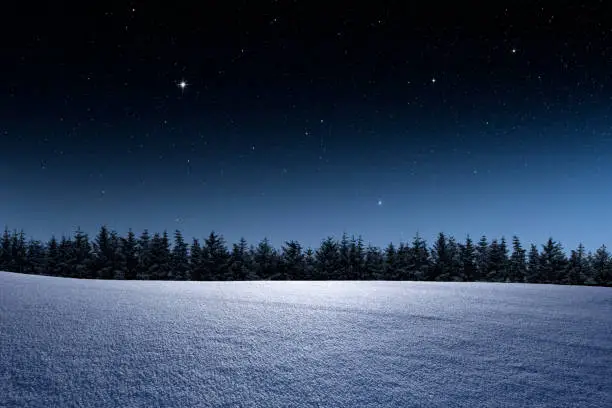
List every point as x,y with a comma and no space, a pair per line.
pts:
298,121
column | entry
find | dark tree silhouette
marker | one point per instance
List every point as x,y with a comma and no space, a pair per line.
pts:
497,261
196,260
66,256
180,257
390,263
420,262
482,259
81,261
602,266
533,265
454,252
35,257
552,262
403,262
577,272
441,260
111,256
6,254
241,262
356,258
216,258
53,259
468,260
145,259
517,269
18,251
310,261
374,263
102,255
292,261
129,251
327,260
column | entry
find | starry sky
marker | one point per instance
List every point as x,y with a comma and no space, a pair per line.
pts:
289,120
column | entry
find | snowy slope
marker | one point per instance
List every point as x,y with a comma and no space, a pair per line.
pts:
66,343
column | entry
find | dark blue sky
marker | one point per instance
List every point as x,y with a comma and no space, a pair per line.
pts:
299,122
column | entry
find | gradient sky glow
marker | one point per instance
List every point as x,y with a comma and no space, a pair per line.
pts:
299,122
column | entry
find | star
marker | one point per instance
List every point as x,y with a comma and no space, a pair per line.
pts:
183,84
380,203
433,80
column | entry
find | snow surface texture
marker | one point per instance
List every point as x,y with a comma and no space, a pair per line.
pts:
78,343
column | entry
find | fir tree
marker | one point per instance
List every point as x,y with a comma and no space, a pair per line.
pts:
356,258
497,261
518,263
18,251
327,259
81,262
482,259
552,262
504,260
196,260
35,256
309,264
374,263
164,260
6,254
533,265
180,257
454,252
602,266
66,256
160,257
468,260
241,265
143,268
52,257
344,258
577,271
117,259
403,261
216,257
441,260
330,264
129,251
420,262
390,263
292,261
102,253
265,260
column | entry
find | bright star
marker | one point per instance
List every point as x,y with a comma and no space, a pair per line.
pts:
379,202
182,85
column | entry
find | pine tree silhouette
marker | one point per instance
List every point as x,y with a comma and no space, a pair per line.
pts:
468,260
533,265
180,257
129,251
111,256
517,270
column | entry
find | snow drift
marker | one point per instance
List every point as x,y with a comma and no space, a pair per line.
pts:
79,343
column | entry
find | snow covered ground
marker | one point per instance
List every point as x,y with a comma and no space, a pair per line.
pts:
69,343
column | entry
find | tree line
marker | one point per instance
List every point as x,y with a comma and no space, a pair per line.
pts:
160,257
